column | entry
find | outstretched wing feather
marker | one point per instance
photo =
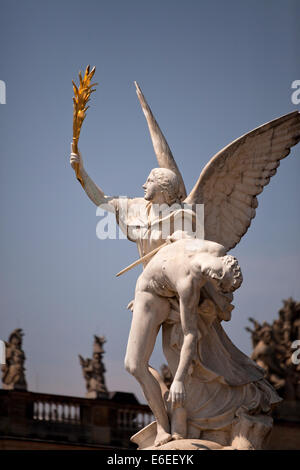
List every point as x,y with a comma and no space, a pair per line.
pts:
162,150
230,182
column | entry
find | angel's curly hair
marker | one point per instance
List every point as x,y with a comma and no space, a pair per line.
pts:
168,182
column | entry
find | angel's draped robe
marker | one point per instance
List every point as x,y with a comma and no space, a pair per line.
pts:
223,382
133,217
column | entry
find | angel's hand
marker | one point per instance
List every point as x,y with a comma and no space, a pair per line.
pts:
76,159
177,393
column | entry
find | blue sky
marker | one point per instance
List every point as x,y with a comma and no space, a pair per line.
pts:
211,71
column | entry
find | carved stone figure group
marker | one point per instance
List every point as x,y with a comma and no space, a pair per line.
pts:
186,288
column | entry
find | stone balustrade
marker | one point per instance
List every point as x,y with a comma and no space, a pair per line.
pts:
101,423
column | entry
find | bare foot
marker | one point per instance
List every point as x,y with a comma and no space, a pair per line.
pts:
176,436
162,437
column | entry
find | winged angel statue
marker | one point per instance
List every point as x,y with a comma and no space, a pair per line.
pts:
218,393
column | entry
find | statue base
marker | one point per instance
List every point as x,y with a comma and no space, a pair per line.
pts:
189,444
247,433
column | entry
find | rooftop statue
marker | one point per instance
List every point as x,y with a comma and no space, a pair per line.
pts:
273,347
13,372
93,370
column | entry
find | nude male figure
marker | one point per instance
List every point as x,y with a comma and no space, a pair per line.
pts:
180,269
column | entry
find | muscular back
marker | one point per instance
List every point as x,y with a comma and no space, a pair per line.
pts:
175,267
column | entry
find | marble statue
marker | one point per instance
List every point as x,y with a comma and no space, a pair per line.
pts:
218,394
13,372
93,370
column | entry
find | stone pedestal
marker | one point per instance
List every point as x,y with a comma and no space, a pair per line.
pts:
247,433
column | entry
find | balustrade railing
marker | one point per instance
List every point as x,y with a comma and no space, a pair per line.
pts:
110,421
56,411
61,410
133,420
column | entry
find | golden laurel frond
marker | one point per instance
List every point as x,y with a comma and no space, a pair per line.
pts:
81,97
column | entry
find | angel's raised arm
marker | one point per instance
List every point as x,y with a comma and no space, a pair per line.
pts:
162,150
96,195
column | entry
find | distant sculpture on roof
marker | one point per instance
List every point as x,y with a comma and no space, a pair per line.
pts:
272,349
13,372
93,370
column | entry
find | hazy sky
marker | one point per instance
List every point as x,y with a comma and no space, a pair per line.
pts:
211,71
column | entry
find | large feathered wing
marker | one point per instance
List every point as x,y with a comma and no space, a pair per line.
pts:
162,150
229,183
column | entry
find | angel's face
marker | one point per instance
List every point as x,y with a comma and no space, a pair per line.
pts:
152,189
